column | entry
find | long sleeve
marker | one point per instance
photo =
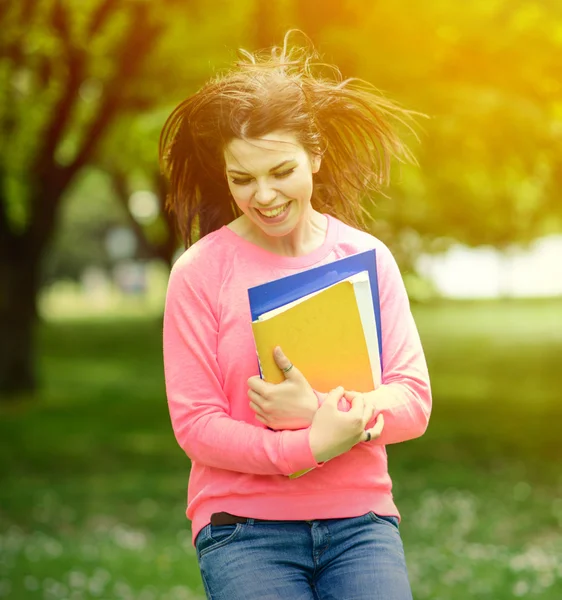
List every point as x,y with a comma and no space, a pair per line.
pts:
404,397
199,408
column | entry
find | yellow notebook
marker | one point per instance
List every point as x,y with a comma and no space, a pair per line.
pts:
330,336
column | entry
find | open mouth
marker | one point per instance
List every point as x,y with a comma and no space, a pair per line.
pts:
272,214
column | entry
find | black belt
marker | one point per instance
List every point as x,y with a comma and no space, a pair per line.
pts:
224,518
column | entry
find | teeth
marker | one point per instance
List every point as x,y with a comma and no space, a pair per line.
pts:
274,213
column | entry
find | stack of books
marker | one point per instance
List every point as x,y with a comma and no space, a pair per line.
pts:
326,320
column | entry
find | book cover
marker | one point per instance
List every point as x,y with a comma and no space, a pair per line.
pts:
330,335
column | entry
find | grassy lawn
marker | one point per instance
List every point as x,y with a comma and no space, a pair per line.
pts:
93,486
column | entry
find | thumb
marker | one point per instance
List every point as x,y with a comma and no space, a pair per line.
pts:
333,397
289,370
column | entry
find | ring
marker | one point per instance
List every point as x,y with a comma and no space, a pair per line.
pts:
368,436
287,369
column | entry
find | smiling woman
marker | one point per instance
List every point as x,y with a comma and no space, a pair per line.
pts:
268,165
275,201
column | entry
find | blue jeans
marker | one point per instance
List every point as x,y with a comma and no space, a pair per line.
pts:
359,558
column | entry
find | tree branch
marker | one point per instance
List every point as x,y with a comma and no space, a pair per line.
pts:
137,43
27,10
52,179
119,181
61,114
60,23
101,14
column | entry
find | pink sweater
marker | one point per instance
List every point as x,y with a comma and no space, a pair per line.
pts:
238,465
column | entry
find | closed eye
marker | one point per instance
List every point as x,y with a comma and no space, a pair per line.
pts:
284,174
277,176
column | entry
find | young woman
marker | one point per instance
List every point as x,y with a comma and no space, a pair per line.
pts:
268,164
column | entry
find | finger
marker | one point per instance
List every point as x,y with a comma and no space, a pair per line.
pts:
256,403
357,405
368,412
333,397
377,429
283,362
255,397
257,384
257,409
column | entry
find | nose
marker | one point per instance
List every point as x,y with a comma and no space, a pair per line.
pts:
265,194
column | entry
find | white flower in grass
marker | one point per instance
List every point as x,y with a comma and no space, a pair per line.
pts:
123,590
546,580
53,548
98,582
77,579
456,575
54,589
521,588
128,539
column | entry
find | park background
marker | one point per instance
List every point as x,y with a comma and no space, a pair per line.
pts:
92,483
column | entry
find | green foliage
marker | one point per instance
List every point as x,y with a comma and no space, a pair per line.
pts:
486,76
93,483
89,212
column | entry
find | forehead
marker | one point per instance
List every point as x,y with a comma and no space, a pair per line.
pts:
263,152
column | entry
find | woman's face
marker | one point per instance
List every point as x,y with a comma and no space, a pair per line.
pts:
270,179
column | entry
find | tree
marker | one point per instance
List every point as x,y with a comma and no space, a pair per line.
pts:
70,70
47,68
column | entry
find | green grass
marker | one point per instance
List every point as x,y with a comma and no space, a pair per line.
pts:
93,486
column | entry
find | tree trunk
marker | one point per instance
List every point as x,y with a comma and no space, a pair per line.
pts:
21,251
18,288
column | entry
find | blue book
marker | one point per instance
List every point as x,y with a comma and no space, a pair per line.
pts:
275,294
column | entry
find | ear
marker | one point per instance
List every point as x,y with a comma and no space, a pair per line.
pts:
315,161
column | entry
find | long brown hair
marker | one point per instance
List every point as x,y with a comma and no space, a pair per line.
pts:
348,122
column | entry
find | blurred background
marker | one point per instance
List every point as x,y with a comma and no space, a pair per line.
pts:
92,484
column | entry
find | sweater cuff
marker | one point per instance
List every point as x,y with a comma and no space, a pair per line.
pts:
296,450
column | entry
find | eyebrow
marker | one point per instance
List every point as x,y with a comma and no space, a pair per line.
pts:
270,170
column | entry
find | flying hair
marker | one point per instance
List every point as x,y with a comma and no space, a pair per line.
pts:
348,122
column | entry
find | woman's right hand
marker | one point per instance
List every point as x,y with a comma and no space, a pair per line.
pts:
334,432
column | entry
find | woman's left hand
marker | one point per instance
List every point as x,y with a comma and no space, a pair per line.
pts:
290,404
